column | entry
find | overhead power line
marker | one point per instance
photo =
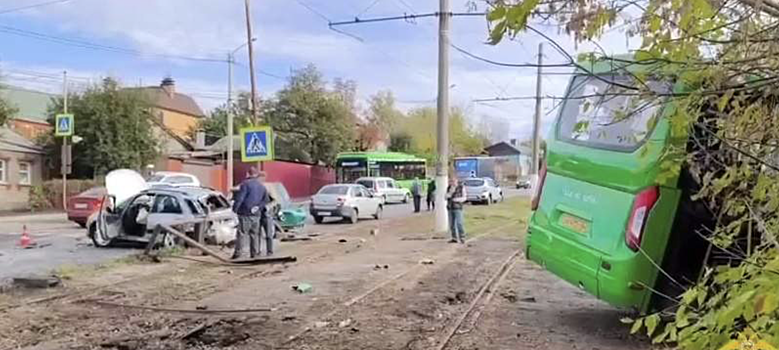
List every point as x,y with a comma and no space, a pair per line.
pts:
33,6
504,64
406,17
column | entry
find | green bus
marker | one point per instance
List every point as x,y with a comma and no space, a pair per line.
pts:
401,167
604,219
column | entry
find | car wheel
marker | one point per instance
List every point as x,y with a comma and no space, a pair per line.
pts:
318,219
489,200
98,238
82,224
384,198
379,211
352,217
168,241
406,198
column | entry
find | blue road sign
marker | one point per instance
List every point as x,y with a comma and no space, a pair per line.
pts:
256,144
64,125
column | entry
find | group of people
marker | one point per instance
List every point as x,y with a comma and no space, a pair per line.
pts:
254,207
455,199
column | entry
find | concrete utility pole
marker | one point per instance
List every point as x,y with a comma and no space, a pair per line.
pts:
230,132
537,119
442,161
65,143
255,118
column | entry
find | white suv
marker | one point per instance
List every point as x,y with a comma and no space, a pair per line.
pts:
482,190
386,189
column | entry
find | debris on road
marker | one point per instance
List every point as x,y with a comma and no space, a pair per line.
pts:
342,240
375,232
528,300
302,288
293,238
289,318
345,323
510,296
37,282
379,267
321,324
427,262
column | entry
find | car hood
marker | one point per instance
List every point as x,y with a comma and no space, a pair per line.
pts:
124,183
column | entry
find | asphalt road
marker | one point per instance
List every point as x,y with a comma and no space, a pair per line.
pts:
63,243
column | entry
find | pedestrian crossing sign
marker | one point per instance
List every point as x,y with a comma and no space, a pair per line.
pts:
64,125
256,144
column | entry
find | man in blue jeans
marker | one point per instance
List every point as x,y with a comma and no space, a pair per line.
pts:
250,202
455,199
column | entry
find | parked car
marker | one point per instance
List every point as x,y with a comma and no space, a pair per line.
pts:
173,179
348,201
482,190
386,189
286,214
131,210
81,206
523,184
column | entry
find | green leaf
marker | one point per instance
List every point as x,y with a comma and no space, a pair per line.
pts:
496,35
766,303
496,14
651,324
636,326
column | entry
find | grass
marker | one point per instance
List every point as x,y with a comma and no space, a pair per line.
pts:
73,271
479,219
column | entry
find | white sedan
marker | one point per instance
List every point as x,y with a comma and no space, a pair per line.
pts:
347,201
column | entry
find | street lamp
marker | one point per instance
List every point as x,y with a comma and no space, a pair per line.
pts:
230,116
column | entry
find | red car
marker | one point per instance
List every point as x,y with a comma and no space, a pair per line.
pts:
80,207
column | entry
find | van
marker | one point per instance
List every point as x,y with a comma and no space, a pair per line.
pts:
607,217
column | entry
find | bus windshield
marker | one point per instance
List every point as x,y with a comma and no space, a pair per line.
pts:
600,114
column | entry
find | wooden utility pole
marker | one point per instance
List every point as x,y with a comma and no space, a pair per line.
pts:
255,117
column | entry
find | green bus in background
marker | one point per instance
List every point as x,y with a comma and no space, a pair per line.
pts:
401,167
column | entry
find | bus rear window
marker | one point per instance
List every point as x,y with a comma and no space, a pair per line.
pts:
603,115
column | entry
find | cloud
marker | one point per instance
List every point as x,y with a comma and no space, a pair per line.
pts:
393,55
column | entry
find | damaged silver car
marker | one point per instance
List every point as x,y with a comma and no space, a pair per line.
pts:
131,210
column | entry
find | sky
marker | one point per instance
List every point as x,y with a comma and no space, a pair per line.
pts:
140,42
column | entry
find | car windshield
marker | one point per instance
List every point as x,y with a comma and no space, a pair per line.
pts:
473,183
366,183
279,193
341,190
155,178
601,113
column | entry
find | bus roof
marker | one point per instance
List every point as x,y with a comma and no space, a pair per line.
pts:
385,156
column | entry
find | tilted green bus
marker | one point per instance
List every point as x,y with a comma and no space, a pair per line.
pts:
606,216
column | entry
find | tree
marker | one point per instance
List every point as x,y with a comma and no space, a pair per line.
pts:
400,142
6,109
724,52
215,124
116,127
383,113
420,126
316,120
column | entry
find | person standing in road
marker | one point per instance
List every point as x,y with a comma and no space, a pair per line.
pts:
455,199
267,223
416,192
431,195
249,204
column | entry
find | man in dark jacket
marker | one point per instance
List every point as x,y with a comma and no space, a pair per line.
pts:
455,198
249,204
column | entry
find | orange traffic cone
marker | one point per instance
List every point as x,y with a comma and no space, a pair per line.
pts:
25,241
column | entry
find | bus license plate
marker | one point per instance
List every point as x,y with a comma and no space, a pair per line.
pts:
576,224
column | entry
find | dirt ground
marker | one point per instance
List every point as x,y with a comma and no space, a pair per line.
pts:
369,292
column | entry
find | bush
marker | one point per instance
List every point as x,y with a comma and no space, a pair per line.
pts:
49,194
